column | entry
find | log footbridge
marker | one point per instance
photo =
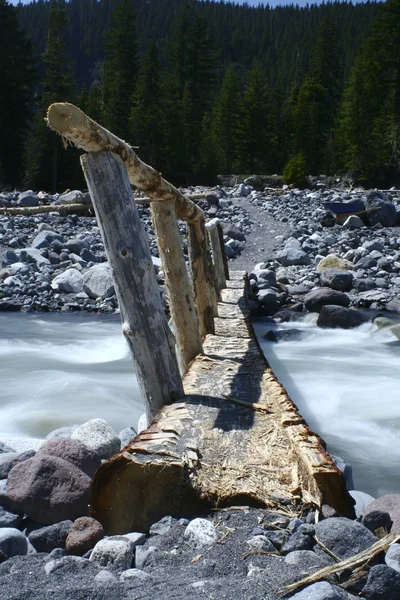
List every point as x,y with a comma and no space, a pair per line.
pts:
223,431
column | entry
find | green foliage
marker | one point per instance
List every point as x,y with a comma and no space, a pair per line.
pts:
225,121
17,73
295,171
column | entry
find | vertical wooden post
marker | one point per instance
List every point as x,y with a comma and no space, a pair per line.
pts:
223,252
143,319
181,302
203,276
217,250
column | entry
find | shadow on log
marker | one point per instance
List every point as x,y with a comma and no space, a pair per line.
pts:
237,438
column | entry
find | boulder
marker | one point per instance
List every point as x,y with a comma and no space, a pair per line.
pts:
380,210
75,452
98,282
377,519
28,199
114,553
83,536
392,558
337,279
49,489
99,436
234,233
390,504
73,197
362,500
316,299
268,299
13,542
346,469
322,590
293,256
45,238
383,583
200,532
353,222
339,316
48,538
332,261
76,245
344,537
69,282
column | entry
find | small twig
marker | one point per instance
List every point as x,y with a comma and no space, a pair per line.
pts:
325,549
251,405
255,552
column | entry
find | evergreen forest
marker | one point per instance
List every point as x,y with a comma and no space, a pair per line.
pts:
202,87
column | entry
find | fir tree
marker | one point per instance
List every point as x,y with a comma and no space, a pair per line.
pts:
225,121
17,73
120,69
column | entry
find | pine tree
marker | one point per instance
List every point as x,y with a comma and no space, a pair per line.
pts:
121,68
225,121
49,165
253,125
17,74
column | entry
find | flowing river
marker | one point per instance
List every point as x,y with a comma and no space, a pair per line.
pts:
62,369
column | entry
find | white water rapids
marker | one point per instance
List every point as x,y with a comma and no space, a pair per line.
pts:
62,369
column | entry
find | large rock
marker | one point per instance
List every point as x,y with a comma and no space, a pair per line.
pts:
99,436
383,583
114,553
322,590
49,489
344,537
390,504
293,256
200,532
73,197
75,452
45,238
76,245
98,282
332,261
9,519
69,282
316,299
362,500
84,535
48,538
13,542
380,210
337,279
339,316
392,558
28,199
346,469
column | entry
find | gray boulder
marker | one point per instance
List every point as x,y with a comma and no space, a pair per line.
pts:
383,583
362,500
380,210
28,199
200,532
392,558
390,504
76,245
62,432
339,316
45,238
73,197
322,590
127,435
98,282
344,537
75,452
48,538
114,553
293,256
13,542
353,222
69,282
9,519
268,299
316,299
337,279
49,489
346,469
99,436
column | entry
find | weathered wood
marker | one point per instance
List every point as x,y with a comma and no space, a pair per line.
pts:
143,320
203,276
224,257
236,439
62,209
72,123
181,302
217,251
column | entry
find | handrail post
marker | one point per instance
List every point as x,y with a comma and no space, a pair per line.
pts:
143,318
217,253
181,302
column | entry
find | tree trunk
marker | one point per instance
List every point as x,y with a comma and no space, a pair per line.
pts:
62,209
143,320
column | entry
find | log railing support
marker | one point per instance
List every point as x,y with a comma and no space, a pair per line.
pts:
218,251
143,319
181,303
72,124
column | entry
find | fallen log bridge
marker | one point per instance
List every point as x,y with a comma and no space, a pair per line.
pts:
236,438
223,430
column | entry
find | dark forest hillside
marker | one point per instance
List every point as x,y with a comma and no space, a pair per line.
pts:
203,87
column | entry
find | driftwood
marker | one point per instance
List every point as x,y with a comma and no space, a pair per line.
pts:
213,227
181,302
62,209
72,124
235,439
143,320
355,562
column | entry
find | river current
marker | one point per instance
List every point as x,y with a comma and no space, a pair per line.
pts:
64,369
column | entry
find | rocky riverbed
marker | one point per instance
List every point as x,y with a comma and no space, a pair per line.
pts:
300,259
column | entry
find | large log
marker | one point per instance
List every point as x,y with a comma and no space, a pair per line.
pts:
62,209
72,123
237,438
143,320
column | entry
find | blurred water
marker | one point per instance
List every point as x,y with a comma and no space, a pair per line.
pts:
61,369
346,383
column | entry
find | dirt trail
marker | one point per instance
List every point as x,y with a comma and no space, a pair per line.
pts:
260,243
